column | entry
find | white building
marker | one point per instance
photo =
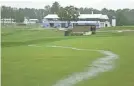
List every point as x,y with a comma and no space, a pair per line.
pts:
8,21
114,21
52,20
30,21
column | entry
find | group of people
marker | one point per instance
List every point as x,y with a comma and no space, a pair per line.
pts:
93,29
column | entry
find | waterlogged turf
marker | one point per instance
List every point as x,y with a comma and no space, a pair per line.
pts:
24,65
30,66
122,46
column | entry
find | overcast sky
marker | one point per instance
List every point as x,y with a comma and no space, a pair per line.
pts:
98,4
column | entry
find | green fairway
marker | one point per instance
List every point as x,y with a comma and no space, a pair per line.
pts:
39,65
119,28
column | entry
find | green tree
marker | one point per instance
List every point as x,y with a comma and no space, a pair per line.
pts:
124,16
55,8
104,11
47,9
3,13
19,16
121,18
68,13
40,14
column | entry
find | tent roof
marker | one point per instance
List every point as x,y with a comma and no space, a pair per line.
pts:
98,16
51,16
82,16
33,19
104,17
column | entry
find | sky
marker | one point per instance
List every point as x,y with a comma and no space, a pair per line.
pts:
97,4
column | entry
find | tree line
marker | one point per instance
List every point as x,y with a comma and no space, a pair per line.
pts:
123,16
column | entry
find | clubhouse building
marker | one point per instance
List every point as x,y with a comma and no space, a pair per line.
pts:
99,20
